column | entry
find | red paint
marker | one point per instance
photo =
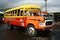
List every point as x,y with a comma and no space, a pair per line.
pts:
16,21
44,12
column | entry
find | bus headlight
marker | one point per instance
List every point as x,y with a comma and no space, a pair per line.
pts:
41,24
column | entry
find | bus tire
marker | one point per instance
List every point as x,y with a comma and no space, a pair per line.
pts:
31,31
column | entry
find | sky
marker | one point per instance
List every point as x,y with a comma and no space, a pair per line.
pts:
52,5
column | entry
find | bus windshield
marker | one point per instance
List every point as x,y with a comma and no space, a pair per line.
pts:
48,16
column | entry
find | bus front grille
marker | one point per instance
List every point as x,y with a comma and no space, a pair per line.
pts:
49,22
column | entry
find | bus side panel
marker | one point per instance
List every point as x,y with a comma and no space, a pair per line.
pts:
19,22
5,20
15,21
24,21
32,21
35,23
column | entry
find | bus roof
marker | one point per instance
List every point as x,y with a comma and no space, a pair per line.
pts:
24,6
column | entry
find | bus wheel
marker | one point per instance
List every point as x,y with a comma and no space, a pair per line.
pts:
31,31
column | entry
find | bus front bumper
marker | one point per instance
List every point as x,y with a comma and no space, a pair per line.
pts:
46,28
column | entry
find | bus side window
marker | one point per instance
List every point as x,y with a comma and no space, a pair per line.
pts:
24,13
15,13
21,13
6,13
18,11
30,14
11,13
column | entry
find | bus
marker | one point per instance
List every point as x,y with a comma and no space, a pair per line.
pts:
1,17
28,17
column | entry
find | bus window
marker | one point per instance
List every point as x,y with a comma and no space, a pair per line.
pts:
11,13
7,14
15,13
33,14
21,13
24,13
29,14
18,12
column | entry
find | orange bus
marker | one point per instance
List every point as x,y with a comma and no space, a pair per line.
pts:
28,17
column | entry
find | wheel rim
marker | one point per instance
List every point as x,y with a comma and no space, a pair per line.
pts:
31,30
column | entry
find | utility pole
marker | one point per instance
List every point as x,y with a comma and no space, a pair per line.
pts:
45,5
